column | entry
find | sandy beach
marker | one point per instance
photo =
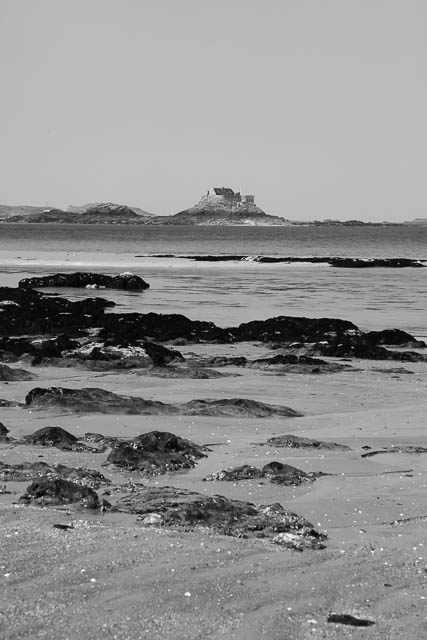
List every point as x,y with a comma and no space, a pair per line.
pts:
110,577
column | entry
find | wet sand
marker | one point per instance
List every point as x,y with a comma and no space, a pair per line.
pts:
109,577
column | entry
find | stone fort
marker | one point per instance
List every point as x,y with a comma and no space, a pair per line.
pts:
225,195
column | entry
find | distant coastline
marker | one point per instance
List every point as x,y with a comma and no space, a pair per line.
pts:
219,207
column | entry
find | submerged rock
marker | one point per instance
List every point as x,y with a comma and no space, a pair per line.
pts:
102,401
10,374
291,363
51,437
156,452
173,507
297,442
126,281
360,347
57,491
26,471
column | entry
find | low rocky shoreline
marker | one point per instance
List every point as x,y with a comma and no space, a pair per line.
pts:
118,430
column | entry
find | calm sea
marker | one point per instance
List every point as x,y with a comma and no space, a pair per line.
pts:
233,292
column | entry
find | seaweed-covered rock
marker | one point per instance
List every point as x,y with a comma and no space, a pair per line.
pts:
173,507
156,452
286,329
37,348
10,374
29,312
26,471
297,442
57,491
142,355
237,407
51,437
360,347
102,401
244,472
286,474
126,281
292,363
396,338
276,472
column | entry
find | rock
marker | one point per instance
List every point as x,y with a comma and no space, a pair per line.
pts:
29,312
345,618
125,281
299,542
291,363
277,472
223,361
51,437
365,263
102,401
95,354
396,338
3,430
244,472
404,448
189,509
238,407
156,452
55,492
285,474
9,403
360,347
37,348
287,329
26,471
297,442
10,374
160,327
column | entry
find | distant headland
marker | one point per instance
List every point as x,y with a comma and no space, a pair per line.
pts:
219,206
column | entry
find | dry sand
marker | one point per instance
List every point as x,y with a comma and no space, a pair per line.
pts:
109,577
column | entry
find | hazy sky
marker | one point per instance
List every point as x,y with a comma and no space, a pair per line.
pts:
318,107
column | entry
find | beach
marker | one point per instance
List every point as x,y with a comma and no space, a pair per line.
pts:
108,576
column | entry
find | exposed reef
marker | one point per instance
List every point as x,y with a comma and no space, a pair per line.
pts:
125,281
181,508
156,452
90,400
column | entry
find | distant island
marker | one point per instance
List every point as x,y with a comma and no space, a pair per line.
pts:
220,206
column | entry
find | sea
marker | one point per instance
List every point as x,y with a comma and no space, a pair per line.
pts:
229,292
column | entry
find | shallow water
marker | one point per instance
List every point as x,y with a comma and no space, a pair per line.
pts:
229,293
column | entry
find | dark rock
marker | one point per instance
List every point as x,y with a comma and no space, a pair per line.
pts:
276,472
126,281
156,452
51,437
345,618
239,407
286,474
107,356
3,430
173,507
9,374
223,361
102,401
365,263
160,327
63,527
25,471
291,363
38,349
55,492
404,448
297,442
244,472
360,347
187,373
396,338
29,312
286,329
9,403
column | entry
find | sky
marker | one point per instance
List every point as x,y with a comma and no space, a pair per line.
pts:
317,107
